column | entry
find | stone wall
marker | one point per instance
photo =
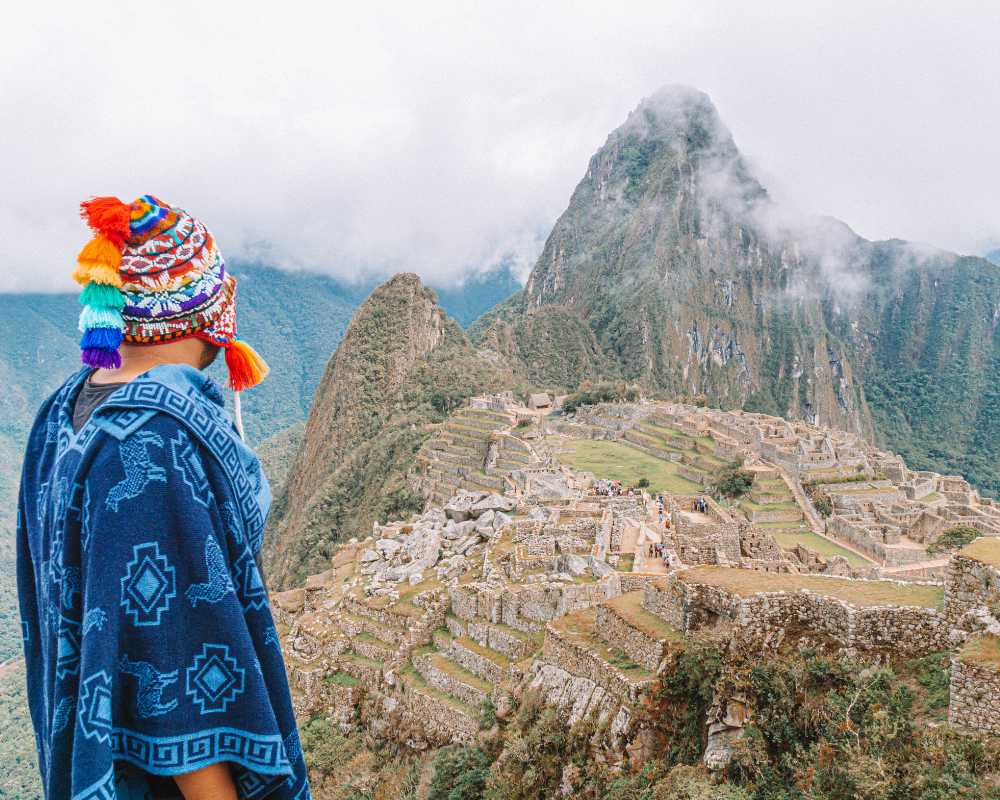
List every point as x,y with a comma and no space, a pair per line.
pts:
969,585
974,697
768,616
641,648
566,654
440,679
580,697
441,721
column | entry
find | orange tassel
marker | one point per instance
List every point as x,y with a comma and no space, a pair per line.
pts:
246,367
100,251
110,216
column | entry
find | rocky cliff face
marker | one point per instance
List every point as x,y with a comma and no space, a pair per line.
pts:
401,366
671,267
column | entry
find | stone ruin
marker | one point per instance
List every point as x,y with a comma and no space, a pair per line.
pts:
492,595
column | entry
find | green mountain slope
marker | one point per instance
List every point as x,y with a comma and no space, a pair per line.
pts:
672,268
402,365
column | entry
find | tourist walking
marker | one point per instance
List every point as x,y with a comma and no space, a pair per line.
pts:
153,663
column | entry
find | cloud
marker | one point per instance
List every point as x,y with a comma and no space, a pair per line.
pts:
438,137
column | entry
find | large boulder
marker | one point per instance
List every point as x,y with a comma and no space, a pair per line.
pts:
494,502
388,547
573,564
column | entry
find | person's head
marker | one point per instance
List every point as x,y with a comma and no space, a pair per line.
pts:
156,289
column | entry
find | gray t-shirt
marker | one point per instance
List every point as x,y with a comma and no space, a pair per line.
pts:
91,395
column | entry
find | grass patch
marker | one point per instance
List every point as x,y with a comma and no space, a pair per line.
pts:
629,607
820,544
931,674
579,627
460,673
340,679
626,562
622,462
982,650
621,660
787,505
985,549
745,582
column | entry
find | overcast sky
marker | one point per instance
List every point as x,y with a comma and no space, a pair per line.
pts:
435,137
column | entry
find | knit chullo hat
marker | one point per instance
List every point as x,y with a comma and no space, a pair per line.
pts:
153,274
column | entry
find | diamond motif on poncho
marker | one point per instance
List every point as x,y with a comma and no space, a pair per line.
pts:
214,680
95,707
148,585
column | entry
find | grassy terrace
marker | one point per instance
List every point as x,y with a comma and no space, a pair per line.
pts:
578,627
745,583
416,681
340,679
985,549
786,505
983,651
788,539
491,655
622,462
629,607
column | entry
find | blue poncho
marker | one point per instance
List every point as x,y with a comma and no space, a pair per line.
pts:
148,637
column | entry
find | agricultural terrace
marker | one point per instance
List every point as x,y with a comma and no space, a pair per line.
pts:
859,593
621,462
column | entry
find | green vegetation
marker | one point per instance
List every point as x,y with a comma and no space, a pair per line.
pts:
953,538
460,773
619,461
590,394
733,481
341,679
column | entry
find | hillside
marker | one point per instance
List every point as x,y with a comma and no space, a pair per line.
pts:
294,319
401,366
671,267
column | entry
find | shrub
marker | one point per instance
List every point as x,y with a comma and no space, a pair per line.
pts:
733,482
642,483
953,538
460,773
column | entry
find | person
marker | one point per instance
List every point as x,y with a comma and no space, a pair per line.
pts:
154,666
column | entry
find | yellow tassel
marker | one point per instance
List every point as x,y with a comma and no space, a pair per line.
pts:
98,273
246,367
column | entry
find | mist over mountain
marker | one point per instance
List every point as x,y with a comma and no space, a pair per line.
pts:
671,267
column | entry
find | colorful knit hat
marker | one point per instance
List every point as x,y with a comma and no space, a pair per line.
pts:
153,274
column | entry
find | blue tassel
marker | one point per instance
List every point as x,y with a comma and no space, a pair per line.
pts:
101,339
91,317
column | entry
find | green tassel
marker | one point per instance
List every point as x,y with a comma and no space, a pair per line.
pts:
100,295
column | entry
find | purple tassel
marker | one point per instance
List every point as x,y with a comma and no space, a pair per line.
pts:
102,359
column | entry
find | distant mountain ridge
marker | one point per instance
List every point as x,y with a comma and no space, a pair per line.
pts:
672,268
